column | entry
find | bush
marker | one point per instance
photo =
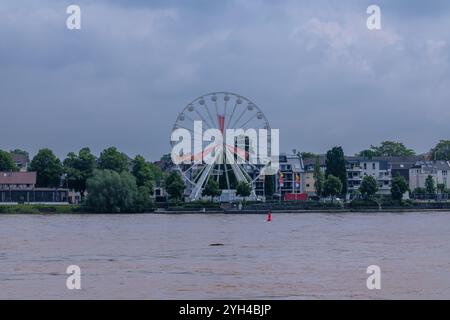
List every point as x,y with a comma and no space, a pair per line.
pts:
368,186
37,209
112,192
385,202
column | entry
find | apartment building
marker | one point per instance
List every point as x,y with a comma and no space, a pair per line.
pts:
290,175
309,180
377,167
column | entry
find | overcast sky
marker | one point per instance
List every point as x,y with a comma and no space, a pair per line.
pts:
313,67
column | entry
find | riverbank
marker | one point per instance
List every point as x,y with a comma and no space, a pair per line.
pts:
300,211
76,209
39,209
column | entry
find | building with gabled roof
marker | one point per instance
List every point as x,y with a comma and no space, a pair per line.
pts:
20,187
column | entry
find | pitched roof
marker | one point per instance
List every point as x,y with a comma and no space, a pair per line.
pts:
19,158
312,161
432,165
17,177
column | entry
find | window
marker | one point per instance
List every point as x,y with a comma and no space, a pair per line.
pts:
373,166
365,166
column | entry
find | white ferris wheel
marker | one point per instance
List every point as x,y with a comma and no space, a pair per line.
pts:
222,111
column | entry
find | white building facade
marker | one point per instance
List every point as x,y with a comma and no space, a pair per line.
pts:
438,170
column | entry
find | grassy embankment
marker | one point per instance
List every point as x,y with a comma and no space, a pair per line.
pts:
38,209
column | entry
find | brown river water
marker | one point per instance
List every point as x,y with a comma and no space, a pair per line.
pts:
296,256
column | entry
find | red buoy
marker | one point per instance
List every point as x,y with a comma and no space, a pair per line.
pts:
269,217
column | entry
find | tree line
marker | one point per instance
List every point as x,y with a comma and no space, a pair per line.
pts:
441,151
116,183
113,181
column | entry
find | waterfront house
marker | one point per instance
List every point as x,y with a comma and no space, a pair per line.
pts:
377,167
20,187
309,180
438,170
290,177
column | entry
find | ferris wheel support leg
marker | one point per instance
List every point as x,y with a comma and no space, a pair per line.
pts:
196,191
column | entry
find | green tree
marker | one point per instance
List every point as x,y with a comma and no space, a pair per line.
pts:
441,151
157,173
332,186
336,166
398,187
211,189
308,155
419,190
319,178
48,168
174,185
143,202
143,172
441,187
79,168
112,159
112,192
243,189
7,162
368,153
388,149
430,187
368,186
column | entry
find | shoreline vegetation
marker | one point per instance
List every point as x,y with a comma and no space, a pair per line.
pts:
292,208
113,182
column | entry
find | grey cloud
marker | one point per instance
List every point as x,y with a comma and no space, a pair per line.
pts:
315,70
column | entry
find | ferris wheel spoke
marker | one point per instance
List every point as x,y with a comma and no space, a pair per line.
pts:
203,119
182,127
239,118
247,122
226,174
189,118
232,114
217,108
209,113
246,161
190,168
193,120
225,109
